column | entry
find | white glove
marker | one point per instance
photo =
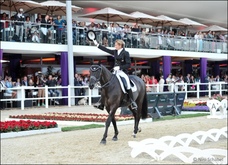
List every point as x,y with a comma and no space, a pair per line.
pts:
116,68
95,42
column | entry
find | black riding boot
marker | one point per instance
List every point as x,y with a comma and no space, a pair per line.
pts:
99,104
133,104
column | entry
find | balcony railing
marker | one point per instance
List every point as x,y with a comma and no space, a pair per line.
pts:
46,33
207,89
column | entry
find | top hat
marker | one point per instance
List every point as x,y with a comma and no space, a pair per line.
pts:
91,35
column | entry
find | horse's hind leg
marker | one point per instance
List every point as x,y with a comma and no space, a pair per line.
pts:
115,129
136,121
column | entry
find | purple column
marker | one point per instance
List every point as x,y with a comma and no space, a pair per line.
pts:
64,75
166,66
1,58
216,69
203,74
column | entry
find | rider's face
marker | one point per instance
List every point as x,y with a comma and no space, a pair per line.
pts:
117,46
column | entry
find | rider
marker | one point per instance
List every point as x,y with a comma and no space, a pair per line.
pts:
122,63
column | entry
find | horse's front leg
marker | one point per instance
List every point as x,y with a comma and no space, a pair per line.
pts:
107,124
115,129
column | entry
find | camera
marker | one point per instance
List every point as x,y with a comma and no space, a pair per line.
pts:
39,74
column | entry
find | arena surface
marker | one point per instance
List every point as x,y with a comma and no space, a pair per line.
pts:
83,146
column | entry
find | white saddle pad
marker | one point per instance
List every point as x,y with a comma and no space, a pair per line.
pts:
133,88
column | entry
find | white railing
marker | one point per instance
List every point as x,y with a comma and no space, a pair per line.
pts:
208,88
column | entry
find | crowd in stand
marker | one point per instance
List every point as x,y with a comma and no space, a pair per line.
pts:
165,84
41,80
47,29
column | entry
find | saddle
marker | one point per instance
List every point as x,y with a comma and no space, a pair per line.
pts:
123,84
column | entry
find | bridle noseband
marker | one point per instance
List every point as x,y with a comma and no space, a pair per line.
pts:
97,75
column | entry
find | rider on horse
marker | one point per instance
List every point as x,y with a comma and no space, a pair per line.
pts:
122,63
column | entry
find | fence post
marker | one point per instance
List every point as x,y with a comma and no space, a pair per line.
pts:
220,88
186,90
69,95
46,96
209,90
22,98
197,86
90,98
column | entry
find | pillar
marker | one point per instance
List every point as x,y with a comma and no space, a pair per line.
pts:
64,75
14,66
154,69
203,74
1,58
188,67
216,70
166,66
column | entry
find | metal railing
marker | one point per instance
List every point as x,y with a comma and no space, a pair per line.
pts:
199,88
28,31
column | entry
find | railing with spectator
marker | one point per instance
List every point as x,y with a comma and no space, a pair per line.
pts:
35,32
199,88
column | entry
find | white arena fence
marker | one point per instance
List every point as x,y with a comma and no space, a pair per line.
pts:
207,89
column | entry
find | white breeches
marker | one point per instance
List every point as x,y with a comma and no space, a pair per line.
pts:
122,74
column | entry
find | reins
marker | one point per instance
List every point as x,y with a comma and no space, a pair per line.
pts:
108,83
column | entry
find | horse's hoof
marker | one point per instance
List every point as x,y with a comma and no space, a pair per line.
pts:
114,138
103,142
134,135
140,129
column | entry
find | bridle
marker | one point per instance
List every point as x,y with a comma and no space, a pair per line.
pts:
96,76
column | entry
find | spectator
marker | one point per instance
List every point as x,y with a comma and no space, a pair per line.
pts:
161,84
41,92
169,81
27,27
154,84
30,91
19,18
18,83
9,85
44,28
52,82
4,25
2,88
77,90
60,25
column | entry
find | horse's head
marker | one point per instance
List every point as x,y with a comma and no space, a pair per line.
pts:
95,74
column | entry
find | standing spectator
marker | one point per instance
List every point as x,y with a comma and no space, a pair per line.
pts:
27,27
181,80
161,84
60,24
2,88
41,92
154,84
5,25
77,90
44,28
52,82
19,18
169,82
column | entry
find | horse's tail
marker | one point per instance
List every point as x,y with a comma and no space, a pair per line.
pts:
144,110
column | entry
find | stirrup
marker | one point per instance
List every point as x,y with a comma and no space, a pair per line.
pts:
99,106
134,105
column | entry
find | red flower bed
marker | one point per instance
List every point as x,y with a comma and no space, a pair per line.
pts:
73,117
25,125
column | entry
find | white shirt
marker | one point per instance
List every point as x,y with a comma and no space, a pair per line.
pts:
118,51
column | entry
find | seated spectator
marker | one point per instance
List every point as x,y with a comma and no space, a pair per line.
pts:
31,84
9,84
52,82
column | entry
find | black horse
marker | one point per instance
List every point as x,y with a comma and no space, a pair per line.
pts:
115,97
